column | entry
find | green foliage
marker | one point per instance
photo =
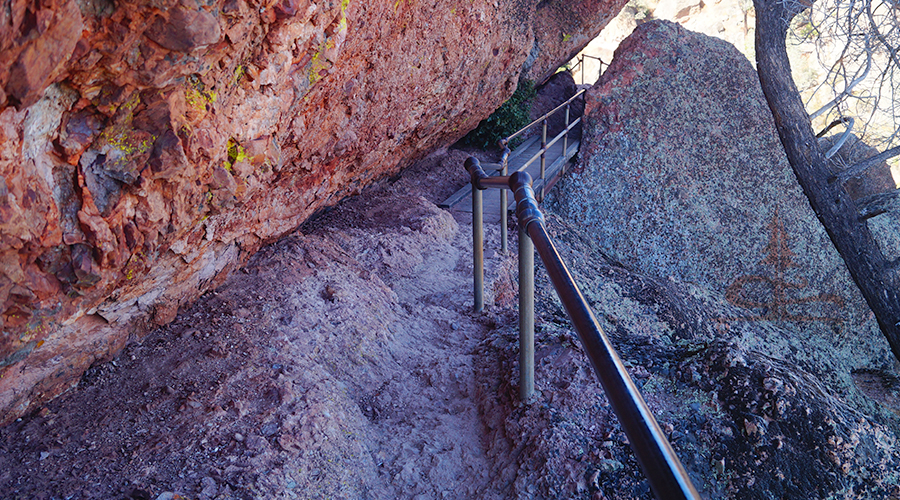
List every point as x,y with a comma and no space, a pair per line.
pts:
507,119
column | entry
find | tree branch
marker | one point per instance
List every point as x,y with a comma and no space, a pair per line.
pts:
877,204
860,168
870,270
840,142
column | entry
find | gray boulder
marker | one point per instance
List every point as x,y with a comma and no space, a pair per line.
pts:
682,177
703,261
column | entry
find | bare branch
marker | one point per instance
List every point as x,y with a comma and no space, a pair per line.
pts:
840,142
858,41
878,204
873,161
849,87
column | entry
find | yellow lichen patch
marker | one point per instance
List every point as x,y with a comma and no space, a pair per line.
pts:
198,101
129,105
342,24
239,73
123,145
198,98
34,328
236,153
319,63
134,265
127,141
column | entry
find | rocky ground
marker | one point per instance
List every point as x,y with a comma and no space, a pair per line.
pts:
344,360
340,363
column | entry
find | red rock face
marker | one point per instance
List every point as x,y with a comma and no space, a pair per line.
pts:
148,148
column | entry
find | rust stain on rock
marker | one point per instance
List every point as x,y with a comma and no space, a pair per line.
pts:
771,294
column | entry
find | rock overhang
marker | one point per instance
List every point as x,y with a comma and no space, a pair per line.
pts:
149,149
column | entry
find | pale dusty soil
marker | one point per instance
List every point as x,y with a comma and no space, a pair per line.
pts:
342,362
338,363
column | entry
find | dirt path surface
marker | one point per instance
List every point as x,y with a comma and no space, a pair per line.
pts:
337,364
342,362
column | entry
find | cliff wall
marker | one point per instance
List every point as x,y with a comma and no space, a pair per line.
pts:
148,148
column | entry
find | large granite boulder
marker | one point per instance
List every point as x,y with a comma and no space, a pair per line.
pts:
705,263
682,176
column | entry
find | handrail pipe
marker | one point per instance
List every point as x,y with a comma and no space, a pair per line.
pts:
504,159
663,469
657,459
504,142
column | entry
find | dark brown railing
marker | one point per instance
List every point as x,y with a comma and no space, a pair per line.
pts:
666,475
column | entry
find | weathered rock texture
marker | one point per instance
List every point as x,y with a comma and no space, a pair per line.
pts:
745,424
147,148
684,178
711,273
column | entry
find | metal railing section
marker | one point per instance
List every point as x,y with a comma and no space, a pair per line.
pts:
580,63
541,154
661,466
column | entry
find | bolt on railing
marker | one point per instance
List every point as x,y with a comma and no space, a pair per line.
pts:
661,466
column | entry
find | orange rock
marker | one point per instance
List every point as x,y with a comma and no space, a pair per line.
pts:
122,208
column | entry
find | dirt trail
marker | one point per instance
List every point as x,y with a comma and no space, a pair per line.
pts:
337,364
342,362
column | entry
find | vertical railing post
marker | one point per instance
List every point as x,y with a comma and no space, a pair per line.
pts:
543,158
566,139
583,67
526,314
504,202
474,166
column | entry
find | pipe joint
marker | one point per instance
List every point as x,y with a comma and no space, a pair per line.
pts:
473,166
527,209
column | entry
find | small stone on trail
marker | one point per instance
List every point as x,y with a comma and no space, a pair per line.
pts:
238,437
139,494
209,487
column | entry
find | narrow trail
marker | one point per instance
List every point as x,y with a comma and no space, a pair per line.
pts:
342,362
337,364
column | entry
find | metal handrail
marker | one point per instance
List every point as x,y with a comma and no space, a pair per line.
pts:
661,466
581,58
549,144
504,160
505,142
